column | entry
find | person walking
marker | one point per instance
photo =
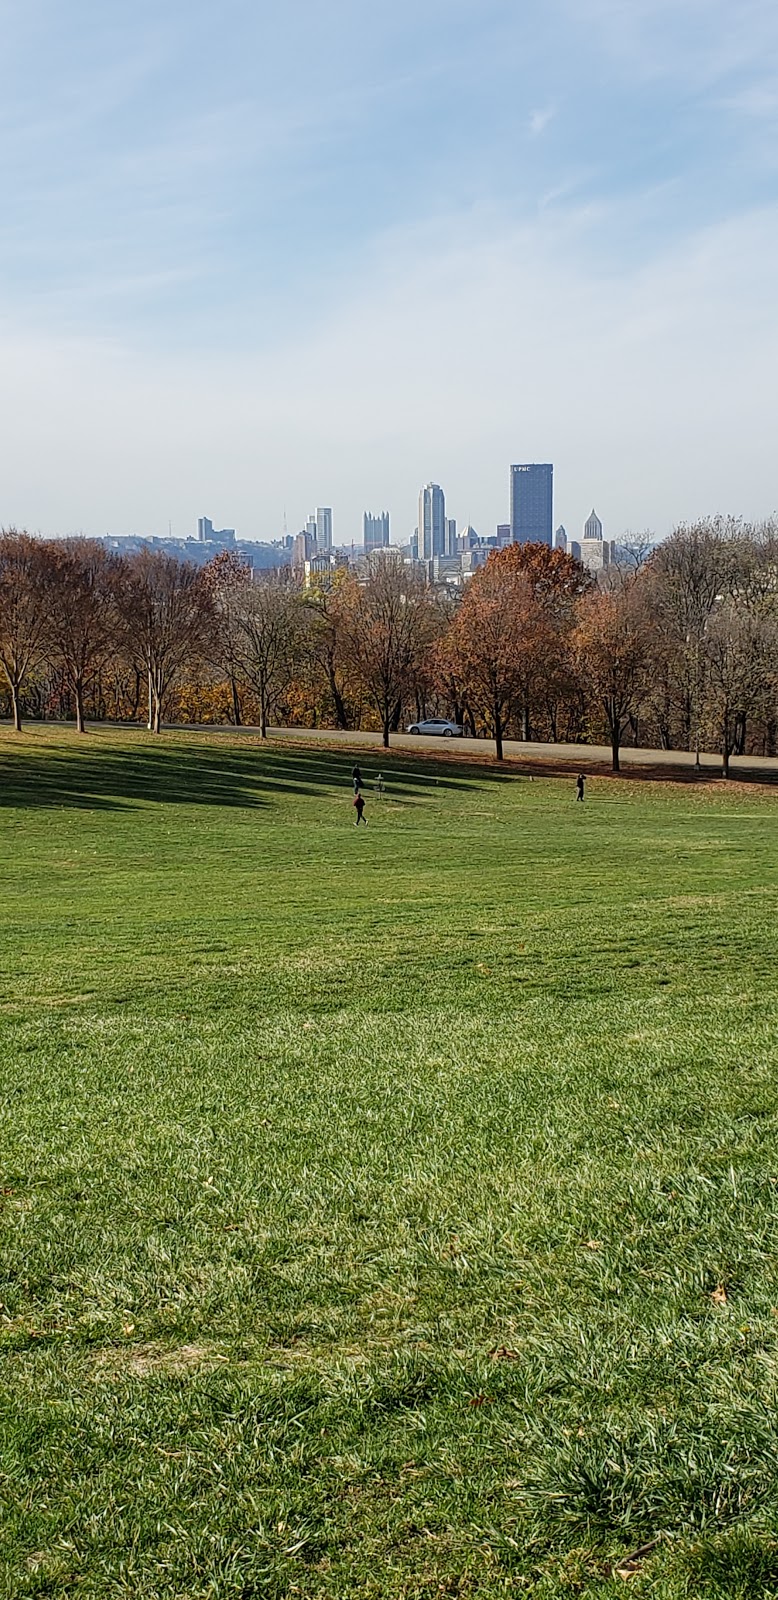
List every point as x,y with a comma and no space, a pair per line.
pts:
579,786
359,806
356,777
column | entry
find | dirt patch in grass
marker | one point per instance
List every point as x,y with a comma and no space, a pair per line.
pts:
157,1360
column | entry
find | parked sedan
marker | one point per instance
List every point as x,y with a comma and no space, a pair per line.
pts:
449,730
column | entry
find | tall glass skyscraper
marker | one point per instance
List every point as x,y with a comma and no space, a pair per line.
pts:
375,530
532,503
432,522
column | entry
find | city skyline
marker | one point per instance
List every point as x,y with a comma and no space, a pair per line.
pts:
581,191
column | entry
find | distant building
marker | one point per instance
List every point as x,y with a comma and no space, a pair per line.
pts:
432,530
532,502
208,534
323,519
304,547
532,494
574,549
596,553
375,531
560,537
451,536
503,535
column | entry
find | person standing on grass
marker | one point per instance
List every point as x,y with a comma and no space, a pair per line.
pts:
356,777
359,806
579,786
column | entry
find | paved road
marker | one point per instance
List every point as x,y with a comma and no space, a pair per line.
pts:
579,755
575,754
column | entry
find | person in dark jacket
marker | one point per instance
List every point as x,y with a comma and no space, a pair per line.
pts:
359,806
579,786
356,778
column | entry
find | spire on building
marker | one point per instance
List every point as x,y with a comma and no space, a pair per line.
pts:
593,526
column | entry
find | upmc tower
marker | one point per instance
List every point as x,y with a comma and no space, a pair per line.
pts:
532,503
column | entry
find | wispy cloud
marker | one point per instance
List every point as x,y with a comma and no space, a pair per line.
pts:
539,120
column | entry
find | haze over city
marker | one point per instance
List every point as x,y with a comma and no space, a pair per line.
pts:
257,260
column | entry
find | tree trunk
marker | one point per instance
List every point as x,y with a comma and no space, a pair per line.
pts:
150,722
79,692
235,701
525,730
263,715
386,722
16,707
156,721
498,733
615,748
341,719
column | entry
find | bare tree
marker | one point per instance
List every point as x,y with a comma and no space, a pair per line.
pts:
25,582
689,572
390,626
81,625
167,619
227,579
268,624
328,602
737,643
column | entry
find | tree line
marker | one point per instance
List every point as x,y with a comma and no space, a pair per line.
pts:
675,649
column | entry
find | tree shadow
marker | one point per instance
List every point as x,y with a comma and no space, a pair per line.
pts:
121,771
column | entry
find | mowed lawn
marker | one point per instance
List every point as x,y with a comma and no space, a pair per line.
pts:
384,1213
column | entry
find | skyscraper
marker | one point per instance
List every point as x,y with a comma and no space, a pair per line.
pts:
532,503
432,522
593,526
323,516
375,531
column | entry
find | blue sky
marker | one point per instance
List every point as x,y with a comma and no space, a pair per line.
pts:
258,257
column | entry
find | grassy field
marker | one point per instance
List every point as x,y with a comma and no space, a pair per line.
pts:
386,1213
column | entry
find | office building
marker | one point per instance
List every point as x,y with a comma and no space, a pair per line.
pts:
532,501
503,535
375,531
432,522
451,536
208,534
560,537
592,526
323,519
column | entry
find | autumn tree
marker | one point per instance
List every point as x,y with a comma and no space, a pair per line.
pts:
612,643
489,642
25,585
389,623
167,616
545,677
81,625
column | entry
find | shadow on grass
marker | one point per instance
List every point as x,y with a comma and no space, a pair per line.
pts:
95,774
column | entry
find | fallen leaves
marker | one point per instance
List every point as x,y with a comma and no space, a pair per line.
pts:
719,1295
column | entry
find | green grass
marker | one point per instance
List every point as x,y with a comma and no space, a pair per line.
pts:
365,1193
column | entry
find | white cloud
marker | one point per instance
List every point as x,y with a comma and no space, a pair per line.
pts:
539,120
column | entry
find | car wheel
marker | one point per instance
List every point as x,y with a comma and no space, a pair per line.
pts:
448,733
413,730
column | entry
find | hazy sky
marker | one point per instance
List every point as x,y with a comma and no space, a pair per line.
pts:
260,256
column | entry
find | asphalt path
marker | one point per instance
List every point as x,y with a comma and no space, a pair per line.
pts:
583,755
